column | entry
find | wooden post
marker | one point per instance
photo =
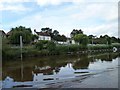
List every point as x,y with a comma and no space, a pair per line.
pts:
21,45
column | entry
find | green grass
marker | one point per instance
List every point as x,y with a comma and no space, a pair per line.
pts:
31,51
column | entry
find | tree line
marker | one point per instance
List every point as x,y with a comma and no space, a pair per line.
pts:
43,47
77,35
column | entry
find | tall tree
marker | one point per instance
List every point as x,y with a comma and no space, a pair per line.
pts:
91,39
114,39
47,30
81,39
55,33
75,32
107,39
15,33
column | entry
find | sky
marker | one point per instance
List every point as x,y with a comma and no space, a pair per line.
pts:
96,17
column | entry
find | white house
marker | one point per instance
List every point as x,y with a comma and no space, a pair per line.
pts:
46,36
43,35
70,41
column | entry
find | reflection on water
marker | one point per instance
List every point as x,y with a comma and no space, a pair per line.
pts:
57,67
61,73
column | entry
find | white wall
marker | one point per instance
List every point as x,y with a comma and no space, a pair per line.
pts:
73,42
44,38
68,42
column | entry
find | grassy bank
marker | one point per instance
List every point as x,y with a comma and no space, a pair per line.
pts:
11,52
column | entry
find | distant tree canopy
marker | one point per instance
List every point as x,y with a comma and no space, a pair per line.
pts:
105,39
62,38
15,33
81,39
54,34
118,40
114,39
75,32
108,39
91,38
47,30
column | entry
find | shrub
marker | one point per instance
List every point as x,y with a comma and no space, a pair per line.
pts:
51,46
73,48
39,45
62,49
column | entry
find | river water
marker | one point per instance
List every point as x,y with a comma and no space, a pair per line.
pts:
39,72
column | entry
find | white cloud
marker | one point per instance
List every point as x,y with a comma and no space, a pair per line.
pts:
102,1
58,2
32,21
38,21
14,8
13,5
55,2
74,16
0,20
105,11
14,1
103,29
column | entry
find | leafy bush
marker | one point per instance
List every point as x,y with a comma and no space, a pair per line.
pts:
10,53
62,48
51,46
39,45
73,48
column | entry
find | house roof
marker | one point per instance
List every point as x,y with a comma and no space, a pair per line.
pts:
3,32
9,33
43,33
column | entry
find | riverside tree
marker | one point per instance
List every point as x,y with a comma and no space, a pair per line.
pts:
81,39
15,33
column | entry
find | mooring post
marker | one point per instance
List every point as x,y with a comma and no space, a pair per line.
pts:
21,45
